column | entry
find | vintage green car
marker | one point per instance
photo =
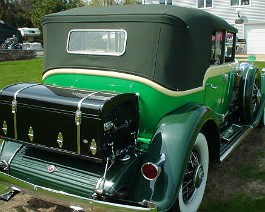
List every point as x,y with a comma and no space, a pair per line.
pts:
136,101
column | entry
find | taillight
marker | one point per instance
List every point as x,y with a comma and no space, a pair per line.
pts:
150,171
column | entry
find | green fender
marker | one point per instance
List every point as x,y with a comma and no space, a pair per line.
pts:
8,149
175,136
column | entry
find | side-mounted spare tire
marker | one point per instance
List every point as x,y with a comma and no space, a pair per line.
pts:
249,94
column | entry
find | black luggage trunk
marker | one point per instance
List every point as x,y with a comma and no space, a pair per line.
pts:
83,123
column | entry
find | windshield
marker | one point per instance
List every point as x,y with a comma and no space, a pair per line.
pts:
97,42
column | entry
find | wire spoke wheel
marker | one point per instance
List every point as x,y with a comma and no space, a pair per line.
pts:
195,176
256,96
249,95
194,172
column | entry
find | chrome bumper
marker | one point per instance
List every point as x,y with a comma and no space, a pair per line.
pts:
68,200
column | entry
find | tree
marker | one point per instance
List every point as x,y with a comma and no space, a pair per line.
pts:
126,2
44,7
16,12
7,11
24,10
112,2
102,2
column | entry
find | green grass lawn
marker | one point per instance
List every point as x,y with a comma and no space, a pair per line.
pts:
260,64
238,184
20,71
238,172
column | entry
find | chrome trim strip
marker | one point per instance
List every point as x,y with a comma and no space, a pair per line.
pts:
2,144
78,120
83,99
212,71
78,136
94,52
15,125
239,141
66,199
101,182
14,107
21,89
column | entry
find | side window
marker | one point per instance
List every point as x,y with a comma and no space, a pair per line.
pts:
217,48
229,47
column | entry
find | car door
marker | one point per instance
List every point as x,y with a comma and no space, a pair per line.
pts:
216,87
219,78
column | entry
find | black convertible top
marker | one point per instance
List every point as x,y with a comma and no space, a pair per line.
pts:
166,44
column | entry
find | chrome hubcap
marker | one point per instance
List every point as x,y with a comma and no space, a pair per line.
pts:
198,177
193,177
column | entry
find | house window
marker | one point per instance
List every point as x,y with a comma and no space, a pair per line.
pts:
240,2
205,3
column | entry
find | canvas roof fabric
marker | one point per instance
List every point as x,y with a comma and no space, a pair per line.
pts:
167,44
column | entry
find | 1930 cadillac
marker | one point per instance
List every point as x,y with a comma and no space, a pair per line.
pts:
135,103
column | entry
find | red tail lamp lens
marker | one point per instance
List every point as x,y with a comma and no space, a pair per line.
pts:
150,171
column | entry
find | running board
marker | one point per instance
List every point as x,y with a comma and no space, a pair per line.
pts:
232,137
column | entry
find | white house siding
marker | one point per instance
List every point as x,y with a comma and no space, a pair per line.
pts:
253,28
253,15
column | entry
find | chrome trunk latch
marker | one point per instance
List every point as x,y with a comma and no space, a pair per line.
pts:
31,134
93,147
14,106
78,117
4,127
60,140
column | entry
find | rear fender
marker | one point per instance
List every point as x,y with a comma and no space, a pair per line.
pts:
175,136
7,152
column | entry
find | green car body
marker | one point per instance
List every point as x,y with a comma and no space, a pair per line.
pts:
196,103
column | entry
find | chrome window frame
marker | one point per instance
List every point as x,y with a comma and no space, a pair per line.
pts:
93,52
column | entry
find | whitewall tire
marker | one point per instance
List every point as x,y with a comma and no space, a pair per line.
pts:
195,177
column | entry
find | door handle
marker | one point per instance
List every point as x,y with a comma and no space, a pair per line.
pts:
212,86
